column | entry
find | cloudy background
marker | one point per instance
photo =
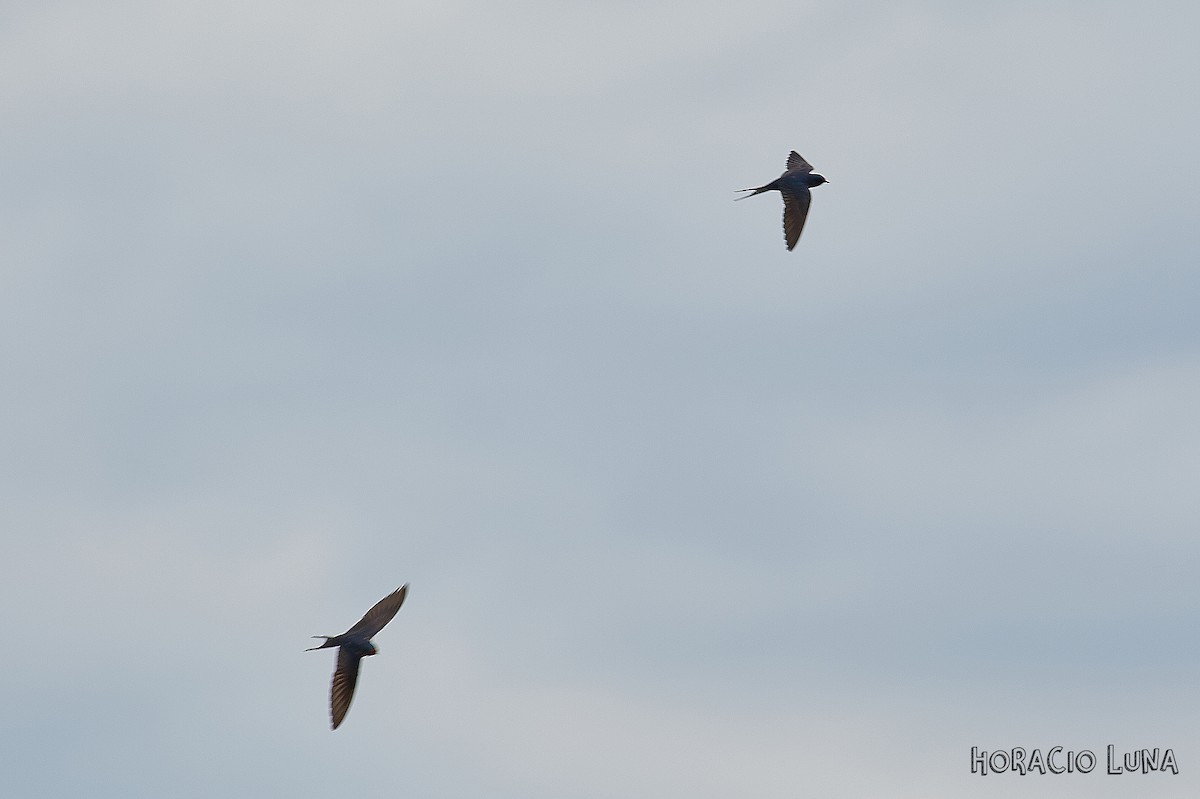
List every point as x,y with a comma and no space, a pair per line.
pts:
303,301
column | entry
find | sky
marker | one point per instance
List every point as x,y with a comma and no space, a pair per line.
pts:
303,301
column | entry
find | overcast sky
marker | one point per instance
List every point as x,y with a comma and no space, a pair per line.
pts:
301,301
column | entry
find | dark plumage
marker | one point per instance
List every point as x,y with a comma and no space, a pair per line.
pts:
794,185
354,645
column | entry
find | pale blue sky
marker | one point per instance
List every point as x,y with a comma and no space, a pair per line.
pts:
301,302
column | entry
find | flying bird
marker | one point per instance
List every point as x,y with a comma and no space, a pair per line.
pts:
794,185
354,645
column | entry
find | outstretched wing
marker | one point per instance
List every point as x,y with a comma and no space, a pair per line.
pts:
378,616
795,211
796,161
345,677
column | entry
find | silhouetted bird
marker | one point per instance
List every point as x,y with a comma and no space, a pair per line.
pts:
354,645
794,185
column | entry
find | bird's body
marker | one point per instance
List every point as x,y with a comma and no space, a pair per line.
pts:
794,184
354,645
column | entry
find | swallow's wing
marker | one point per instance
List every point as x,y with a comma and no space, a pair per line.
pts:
796,161
795,211
378,616
345,677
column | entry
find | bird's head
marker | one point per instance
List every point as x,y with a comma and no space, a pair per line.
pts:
816,180
371,649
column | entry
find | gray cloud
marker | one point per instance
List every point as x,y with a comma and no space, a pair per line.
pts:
300,303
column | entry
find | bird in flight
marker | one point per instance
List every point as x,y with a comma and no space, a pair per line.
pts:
794,185
354,645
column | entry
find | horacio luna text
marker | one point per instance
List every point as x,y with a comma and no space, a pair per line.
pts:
1057,760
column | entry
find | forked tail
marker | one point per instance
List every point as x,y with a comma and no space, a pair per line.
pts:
328,639
759,190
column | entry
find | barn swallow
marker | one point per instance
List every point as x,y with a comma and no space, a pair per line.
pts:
794,185
354,645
